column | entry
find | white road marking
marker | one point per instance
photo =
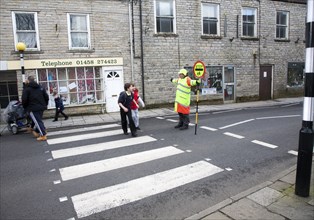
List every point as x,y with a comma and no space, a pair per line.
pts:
160,117
82,129
228,169
83,137
264,144
74,151
233,135
101,166
233,110
63,199
293,152
238,123
172,120
113,196
208,128
283,116
57,182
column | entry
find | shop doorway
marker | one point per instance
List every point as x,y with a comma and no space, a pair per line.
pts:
113,78
265,82
229,84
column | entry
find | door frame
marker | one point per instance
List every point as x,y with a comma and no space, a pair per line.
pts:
109,69
224,85
271,86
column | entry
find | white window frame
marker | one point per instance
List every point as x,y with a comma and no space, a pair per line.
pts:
217,8
15,31
174,16
255,22
279,25
69,32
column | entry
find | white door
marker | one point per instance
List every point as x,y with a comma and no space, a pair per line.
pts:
113,86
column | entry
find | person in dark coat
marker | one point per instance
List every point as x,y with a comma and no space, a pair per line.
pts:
59,106
35,100
124,101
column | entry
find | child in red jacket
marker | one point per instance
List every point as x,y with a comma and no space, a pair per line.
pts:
135,106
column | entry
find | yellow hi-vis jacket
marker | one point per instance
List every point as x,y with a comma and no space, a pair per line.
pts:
183,94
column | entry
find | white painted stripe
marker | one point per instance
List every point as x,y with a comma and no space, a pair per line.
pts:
233,135
172,120
83,137
310,12
191,124
283,116
63,199
264,144
293,152
74,151
113,196
232,110
83,129
309,64
101,166
238,123
208,128
160,117
308,108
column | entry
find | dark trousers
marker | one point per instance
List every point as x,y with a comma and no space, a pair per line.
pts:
58,111
37,119
184,119
124,121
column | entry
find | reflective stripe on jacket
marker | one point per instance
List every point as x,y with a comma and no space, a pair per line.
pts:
183,94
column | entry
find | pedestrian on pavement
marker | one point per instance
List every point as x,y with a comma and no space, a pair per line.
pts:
183,95
124,101
35,100
59,106
137,102
31,124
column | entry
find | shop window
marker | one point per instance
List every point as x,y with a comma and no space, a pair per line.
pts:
295,75
212,81
249,27
282,19
76,86
78,31
165,16
210,14
25,28
8,92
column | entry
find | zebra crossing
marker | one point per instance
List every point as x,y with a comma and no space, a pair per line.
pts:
104,198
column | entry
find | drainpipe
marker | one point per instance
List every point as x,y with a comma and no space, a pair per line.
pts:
131,41
142,53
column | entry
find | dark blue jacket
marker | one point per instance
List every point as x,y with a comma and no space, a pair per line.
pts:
34,98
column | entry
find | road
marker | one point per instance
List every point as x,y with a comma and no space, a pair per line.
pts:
97,172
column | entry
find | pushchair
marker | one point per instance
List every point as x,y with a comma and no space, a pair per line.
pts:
15,117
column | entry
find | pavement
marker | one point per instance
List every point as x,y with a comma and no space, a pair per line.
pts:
273,199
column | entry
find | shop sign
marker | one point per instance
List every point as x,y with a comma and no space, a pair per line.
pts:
63,63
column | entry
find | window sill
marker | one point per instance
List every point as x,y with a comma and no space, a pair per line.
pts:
281,40
210,37
81,51
250,38
28,52
165,35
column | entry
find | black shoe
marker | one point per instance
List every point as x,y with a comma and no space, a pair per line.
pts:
178,126
66,118
138,128
126,133
54,120
184,127
134,135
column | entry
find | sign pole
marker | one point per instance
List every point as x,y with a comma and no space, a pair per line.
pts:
199,71
306,135
196,114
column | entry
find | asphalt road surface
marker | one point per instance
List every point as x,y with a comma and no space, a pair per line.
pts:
98,172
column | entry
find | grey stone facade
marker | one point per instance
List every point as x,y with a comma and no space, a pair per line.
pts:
165,54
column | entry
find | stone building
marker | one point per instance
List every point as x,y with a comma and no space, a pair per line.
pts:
88,49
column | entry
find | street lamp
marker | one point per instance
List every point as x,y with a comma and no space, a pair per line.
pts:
21,48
